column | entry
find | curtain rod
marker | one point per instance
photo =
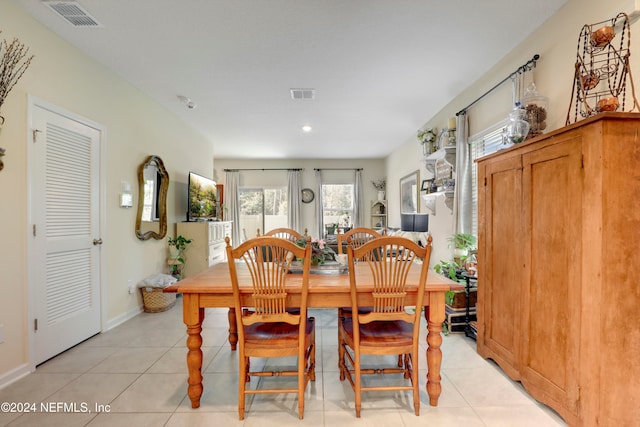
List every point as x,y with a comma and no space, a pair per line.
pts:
338,169
267,169
530,65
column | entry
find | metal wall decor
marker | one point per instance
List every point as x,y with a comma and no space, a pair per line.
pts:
602,70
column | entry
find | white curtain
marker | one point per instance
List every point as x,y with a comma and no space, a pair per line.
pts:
293,199
358,201
232,193
319,210
462,208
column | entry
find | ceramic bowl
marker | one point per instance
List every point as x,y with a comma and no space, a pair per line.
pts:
602,36
608,104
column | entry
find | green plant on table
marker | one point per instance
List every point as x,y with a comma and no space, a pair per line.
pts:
320,252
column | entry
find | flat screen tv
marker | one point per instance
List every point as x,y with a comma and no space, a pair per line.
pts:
202,198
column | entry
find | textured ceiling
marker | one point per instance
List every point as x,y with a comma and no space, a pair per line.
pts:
380,68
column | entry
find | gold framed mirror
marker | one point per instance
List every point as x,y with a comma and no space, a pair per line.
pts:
153,182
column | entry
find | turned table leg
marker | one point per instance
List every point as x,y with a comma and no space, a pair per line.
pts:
193,316
233,328
434,314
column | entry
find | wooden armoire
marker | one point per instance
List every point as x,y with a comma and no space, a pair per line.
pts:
558,268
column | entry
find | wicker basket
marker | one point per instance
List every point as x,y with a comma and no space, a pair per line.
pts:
155,300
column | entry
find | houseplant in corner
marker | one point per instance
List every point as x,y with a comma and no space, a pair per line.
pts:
177,258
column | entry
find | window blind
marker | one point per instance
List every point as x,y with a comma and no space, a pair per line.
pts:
483,143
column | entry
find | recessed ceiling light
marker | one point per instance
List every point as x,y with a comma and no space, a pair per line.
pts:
306,128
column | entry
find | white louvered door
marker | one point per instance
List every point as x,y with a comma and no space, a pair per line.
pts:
65,265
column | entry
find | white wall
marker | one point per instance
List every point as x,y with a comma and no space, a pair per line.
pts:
135,128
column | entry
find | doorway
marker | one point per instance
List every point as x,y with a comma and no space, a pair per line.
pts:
65,212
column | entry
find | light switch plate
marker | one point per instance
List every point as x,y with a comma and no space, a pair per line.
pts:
126,200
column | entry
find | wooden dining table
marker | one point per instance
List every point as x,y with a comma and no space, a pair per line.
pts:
212,288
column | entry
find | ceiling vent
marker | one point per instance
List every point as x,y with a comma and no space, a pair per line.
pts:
303,94
73,13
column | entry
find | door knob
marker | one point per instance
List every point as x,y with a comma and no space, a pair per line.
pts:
97,242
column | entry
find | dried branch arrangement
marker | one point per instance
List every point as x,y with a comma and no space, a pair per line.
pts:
12,65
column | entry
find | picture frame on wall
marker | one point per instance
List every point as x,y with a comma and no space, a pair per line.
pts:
410,193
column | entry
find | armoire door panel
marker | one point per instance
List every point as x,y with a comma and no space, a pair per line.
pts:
552,192
500,319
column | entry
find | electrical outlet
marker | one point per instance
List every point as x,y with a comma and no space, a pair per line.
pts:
1,334
130,286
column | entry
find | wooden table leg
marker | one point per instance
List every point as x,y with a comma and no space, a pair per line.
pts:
434,314
233,328
193,316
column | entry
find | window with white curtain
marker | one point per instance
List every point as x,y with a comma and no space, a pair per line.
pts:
483,143
337,204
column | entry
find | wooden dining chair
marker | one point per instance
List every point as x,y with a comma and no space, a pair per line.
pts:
266,328
356,237
285,233
390,327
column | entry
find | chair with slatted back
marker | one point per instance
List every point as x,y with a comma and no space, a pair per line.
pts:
288,234
389,328
356,237
266,326
285,233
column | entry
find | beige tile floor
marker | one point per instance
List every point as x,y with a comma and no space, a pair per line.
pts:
136,375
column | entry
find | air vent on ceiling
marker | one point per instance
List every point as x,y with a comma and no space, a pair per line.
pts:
303,93
75,14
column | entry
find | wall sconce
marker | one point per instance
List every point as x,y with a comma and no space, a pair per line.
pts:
126,199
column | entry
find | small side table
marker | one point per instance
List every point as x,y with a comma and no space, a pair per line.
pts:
470,328
175,267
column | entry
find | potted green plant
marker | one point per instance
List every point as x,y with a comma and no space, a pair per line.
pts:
462,244
447,269
177,246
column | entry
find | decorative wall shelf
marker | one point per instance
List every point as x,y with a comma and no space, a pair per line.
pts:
446,154
379,214
431,198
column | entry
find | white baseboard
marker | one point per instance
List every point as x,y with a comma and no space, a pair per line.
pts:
118,320
14,375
